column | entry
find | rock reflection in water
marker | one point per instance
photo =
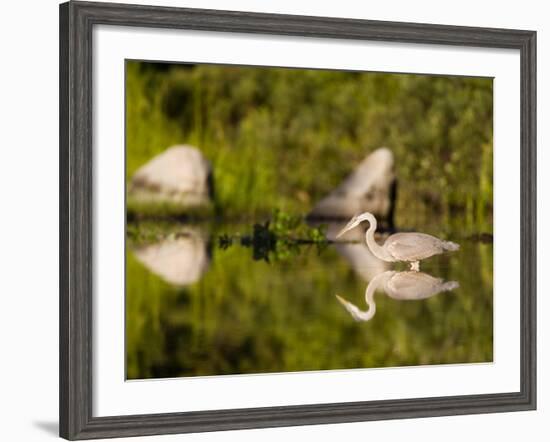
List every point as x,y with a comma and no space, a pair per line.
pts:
180,260
402,286
353,249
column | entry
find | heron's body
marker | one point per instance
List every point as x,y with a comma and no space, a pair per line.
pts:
410,247
415,246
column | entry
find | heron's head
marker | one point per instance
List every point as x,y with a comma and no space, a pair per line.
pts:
354,222
354,311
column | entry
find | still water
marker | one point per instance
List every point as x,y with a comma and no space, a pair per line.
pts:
205,300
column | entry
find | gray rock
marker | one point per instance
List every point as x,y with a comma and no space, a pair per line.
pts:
369,188
180,174
180,260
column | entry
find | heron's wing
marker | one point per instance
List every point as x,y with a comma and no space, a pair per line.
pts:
413,246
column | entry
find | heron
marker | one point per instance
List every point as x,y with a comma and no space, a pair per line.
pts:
402,286
411,247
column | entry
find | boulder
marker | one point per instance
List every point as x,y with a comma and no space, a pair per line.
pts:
180,174
369,188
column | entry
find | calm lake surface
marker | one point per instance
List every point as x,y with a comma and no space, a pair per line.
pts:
203,300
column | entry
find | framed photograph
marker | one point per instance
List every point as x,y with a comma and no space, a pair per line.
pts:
273,220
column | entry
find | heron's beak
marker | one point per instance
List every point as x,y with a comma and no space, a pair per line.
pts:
344,230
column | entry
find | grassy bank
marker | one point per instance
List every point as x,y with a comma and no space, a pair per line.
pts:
283,138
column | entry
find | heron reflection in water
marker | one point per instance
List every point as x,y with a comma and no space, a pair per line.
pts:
403,286
410,247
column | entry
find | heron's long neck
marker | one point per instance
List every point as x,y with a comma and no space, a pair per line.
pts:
369,298
374,247
377,282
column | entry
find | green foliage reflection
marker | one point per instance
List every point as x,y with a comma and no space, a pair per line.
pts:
247,316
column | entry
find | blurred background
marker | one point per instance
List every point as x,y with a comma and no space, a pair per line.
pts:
287,137
202,299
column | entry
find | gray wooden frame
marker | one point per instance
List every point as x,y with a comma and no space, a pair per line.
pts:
77,20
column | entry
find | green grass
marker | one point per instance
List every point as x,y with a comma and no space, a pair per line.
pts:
161,210
284,138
